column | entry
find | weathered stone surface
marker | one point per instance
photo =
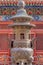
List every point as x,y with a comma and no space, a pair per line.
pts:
22,52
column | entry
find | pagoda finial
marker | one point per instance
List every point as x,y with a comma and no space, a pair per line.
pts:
21,3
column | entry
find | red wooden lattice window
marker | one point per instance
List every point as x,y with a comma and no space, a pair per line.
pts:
39,42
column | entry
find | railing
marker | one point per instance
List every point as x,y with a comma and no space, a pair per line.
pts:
6,60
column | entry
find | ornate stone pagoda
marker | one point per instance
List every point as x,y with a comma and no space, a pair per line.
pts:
21,50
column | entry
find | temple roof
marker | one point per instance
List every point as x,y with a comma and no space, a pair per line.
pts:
16,1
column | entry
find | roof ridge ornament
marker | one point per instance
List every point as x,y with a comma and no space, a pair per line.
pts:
21,4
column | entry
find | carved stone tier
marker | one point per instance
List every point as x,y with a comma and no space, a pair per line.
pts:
22,43
22,14
22,53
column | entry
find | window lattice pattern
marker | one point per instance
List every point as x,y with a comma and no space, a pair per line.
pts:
39,42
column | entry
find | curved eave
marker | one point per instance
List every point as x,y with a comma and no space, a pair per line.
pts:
22,24
21,16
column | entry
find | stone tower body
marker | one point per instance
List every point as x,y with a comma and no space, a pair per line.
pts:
21,52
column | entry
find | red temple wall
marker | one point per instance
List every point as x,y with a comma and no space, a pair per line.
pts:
38,34
6,35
